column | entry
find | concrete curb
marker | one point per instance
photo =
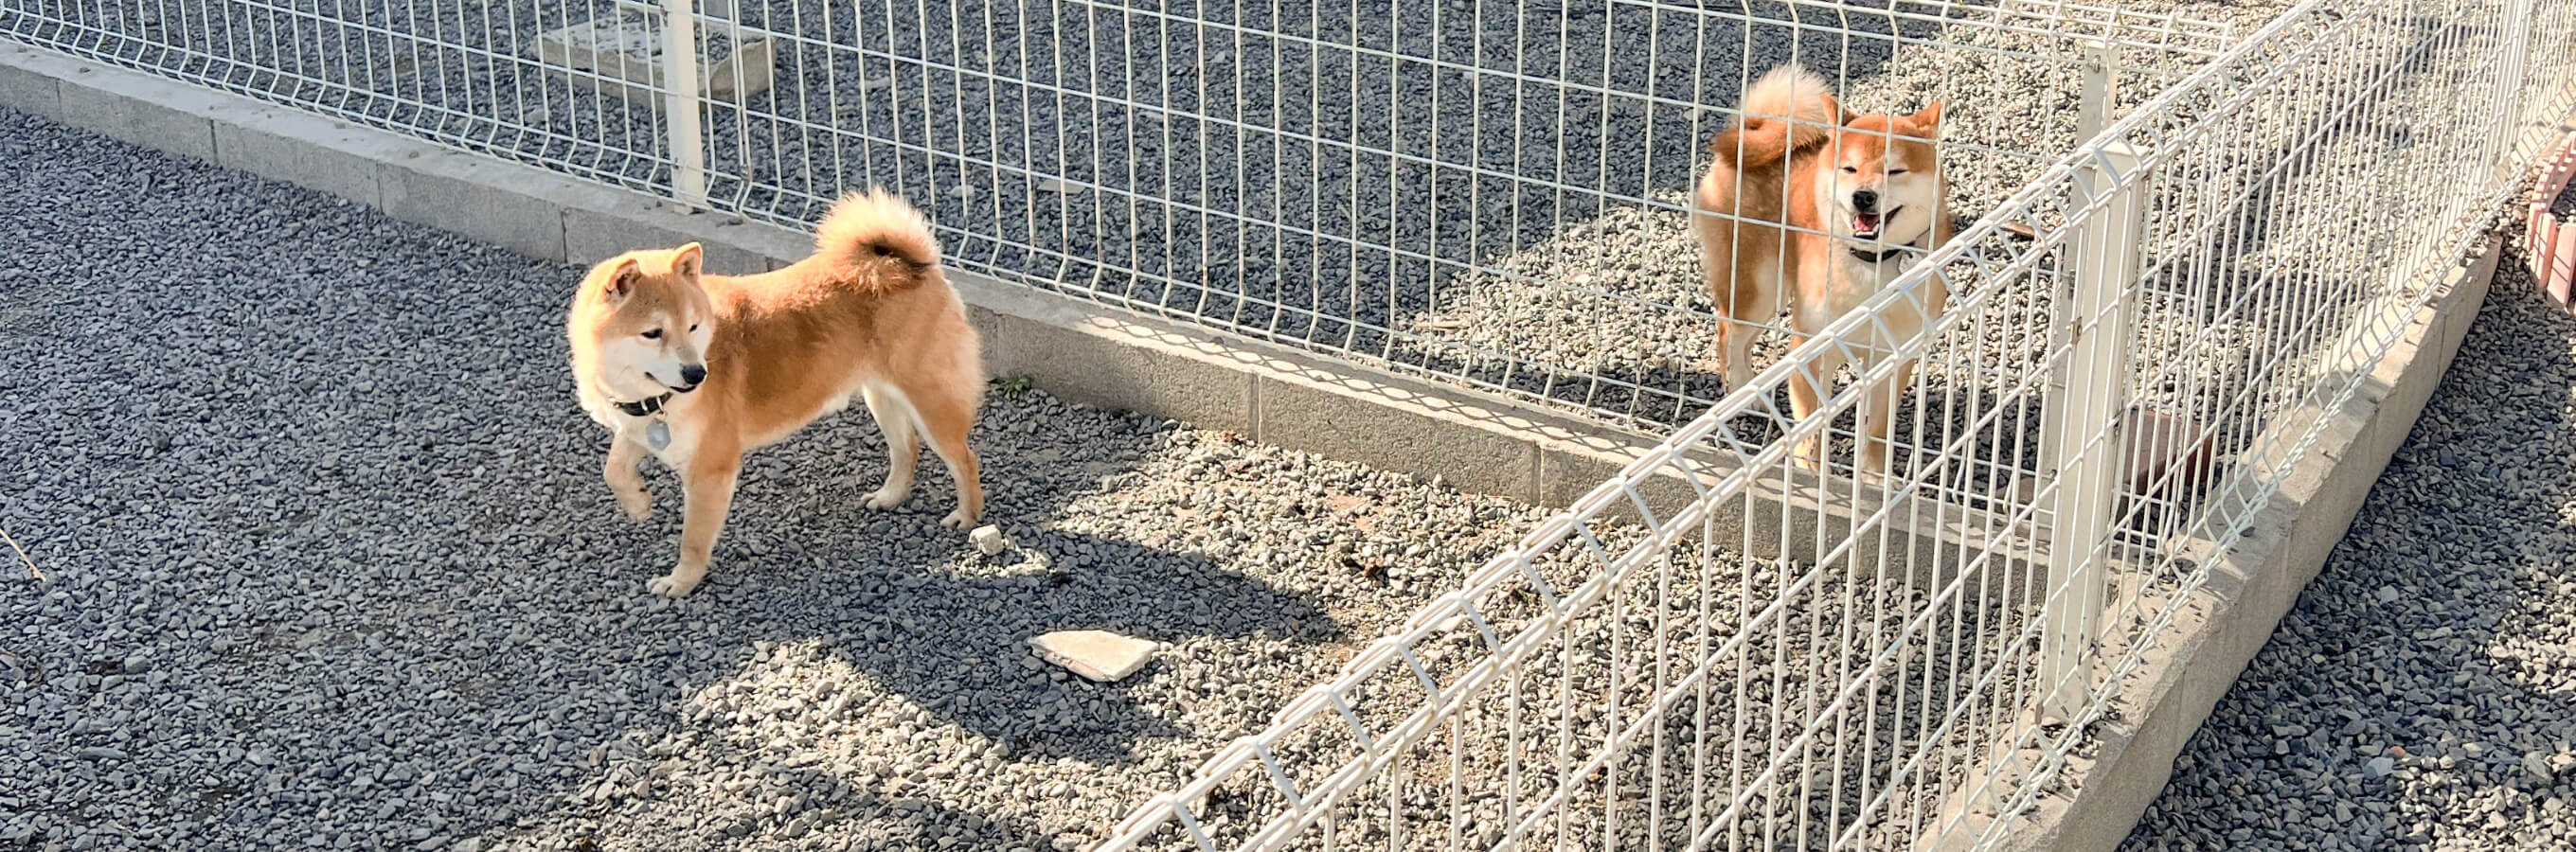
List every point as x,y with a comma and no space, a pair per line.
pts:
1079,351
2254,580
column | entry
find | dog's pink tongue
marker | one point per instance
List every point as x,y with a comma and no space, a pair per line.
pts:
1866,223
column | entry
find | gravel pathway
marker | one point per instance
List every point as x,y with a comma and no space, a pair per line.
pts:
328,562
289,593
1324,174
2422,694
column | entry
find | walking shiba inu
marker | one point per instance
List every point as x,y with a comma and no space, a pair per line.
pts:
1862,196
698,369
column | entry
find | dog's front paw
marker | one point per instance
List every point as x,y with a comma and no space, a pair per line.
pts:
637,502
957,520
887,497
1873,459
1809,454
673,585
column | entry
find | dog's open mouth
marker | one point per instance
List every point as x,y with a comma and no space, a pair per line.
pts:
1866,225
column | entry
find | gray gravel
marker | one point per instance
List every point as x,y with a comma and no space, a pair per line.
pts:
291,596
329,563
1060,144
1597,306
2422,694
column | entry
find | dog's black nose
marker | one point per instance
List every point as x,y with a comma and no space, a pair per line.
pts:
1865,201
693,373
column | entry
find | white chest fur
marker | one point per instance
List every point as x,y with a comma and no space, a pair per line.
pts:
1857,279
674,452
1849,281
1854,280
676,444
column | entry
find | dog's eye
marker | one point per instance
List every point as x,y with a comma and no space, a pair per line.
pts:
1851,170
1895,172
693,326
655,334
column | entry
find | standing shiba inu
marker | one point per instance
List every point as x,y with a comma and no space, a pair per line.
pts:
1862,197
698,369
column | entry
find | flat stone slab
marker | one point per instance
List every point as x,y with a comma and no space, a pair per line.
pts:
1096,654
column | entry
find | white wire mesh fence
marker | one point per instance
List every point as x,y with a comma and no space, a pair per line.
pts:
1776,659
1720,648
1491,194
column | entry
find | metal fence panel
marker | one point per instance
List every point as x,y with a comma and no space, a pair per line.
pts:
2186,250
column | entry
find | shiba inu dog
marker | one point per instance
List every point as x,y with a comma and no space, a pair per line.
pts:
1862,197
698,369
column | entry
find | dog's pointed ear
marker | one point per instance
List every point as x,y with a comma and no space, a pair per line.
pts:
1929,120
1834,107
687,261
621,280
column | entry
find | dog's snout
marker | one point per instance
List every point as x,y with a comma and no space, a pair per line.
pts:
693,373
1865,201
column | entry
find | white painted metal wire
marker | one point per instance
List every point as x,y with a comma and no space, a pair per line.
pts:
1717,648
1772,660
1485,193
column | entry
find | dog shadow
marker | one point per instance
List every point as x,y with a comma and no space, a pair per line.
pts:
893,593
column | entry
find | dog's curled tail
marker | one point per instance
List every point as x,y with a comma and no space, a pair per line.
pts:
1788,109
868,232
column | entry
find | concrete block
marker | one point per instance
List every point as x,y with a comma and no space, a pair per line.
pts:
593,234
26,89
298,148
140,115
714,10
1113,365
473,197
1344,423
624,52
1567,472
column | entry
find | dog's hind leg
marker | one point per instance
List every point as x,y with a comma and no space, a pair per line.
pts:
947,414
896,419
1717,273
708,481
1756,306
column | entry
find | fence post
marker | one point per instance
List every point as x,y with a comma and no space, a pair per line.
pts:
2092,113
2095,322
2516,28
2093,107
680,106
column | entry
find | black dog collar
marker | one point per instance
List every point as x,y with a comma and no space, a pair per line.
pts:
642,407
1876,256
